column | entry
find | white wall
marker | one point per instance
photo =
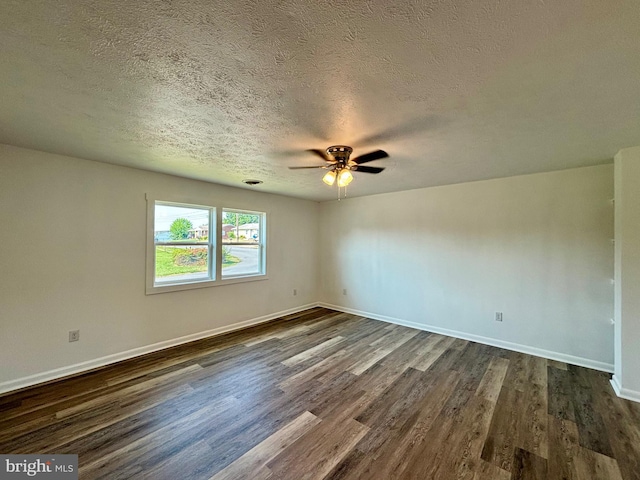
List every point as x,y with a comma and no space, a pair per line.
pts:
627,273
536,247
72,256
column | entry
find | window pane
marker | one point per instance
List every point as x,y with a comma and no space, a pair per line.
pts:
240,260
240,227
182,264
180,224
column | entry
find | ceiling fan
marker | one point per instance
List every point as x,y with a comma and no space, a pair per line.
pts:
340,165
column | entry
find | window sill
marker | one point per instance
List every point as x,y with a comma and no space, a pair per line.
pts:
177,287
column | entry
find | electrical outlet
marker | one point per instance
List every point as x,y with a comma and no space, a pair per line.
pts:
74,335
295,292
344,291
498,316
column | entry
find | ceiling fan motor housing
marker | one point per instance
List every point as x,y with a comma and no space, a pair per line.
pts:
341,153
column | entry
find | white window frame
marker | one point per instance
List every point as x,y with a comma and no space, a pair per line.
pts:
215,248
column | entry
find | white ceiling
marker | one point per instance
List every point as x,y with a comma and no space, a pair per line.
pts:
227,90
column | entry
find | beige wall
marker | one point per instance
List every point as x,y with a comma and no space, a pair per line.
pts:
627,273
536,247
73,257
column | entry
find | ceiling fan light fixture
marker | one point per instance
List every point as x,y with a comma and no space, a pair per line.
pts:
344,178
339,164
329,177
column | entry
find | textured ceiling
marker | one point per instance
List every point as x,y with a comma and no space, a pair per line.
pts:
227,90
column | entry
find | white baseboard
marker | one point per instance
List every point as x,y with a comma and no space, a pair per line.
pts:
538,352
615,383
622,392
136,352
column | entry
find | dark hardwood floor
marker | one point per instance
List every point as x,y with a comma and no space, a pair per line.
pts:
322,394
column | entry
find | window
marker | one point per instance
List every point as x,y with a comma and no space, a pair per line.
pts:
242,243
185,249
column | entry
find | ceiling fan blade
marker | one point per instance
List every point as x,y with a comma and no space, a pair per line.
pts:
370,157
316,166
321,153
368,169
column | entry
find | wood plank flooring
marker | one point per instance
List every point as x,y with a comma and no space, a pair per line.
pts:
322,394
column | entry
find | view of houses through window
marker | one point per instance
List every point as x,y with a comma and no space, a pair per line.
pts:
184,243
183,251
241,243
